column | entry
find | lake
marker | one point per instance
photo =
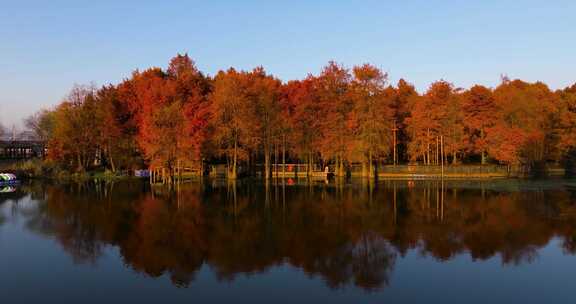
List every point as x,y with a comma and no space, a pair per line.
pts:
493,241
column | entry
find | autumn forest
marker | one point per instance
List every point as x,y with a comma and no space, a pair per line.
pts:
182,118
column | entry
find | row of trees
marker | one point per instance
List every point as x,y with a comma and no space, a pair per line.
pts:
179,117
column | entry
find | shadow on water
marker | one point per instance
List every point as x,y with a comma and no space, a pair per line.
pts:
349,233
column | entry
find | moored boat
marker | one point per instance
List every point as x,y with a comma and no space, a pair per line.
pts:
8,178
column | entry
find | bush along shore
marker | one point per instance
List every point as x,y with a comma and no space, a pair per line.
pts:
43,169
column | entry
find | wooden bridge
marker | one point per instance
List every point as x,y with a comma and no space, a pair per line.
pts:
21,149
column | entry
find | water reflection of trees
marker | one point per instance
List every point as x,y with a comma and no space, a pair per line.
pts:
345,234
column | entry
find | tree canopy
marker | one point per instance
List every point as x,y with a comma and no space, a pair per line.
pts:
180,117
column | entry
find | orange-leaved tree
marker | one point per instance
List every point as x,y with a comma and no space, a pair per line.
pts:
305,118
232,119
479,110
371,116
524,131
333,86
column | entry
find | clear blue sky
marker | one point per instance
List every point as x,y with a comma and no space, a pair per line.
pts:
47,46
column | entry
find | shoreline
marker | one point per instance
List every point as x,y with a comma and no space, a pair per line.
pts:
39,169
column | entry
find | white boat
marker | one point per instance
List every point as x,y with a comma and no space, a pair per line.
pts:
7,178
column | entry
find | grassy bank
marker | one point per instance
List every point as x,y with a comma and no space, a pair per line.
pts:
44,169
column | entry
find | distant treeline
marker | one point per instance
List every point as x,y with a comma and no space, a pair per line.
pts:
180,117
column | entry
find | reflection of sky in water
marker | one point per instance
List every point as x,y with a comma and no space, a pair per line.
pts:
34,268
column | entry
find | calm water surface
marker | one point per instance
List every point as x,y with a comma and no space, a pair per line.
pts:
505,241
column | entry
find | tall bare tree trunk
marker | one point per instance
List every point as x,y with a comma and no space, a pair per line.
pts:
337,169
454,158
442,154
276,159
79,159
483,153
428,146
340,166
437,152
267,162
395,144
309,166
370,165
284,156
233,174
110,158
